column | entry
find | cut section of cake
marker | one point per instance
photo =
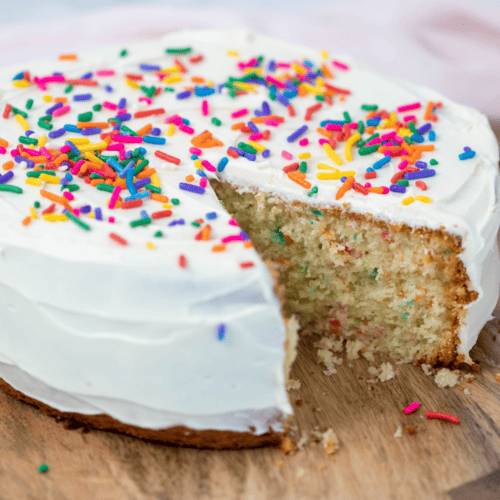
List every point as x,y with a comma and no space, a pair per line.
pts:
172,212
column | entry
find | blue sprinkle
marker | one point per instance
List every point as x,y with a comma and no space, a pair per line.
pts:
211,215
73,147
203,91
244,236
154,140
183,95
128,154
186,121
114,164
108,88
129,180
467,155
253,127
194,157
271,66
155,131
53,134
142,194
421,164
85,209
222,164
91,131
82,97
432,136
117,127
29,132
72,128
98,214
282,99
149,67
370,169
53,108
420,175
142,150
87,76
122,103
335,122
193,188
130,166
417,138
266,153
424,128
64,181
221,332
297,133
19,76
308,63
396,188
144,214
201,173
373,122
380,163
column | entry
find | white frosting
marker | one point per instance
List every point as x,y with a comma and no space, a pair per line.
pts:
92,327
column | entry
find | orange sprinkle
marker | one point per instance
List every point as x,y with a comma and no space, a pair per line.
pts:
409,149
423,147
8,165
378,190
60,159
248,244
342,99
189,178
260,119
299,178
68,57
92,124
197,79
345,187
38,159
371,114
144,130
302,91
4,143
205,140
414,157
26,221
121,183
237,126
370,130
37,168
94,182
326,71
216,248
428,110
205,233
58,199
146,173
159,197
326,133
64,100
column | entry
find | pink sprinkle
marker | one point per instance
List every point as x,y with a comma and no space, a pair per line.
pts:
302,78
53,79
386,189
185,128
177,120
409,117
333,126
398,139
31,152
39,83
304,142
68,195
204,108
115,147
203,182
390,135
234,237
208,166
65,148
286,155
232,222
127,139
403,165
122,111
388,153
105,72
368,185
340,65
2,150
255,137
148,100
271,123
114,197
109,105
409,107
14,153
76,167
273,81
61,111
282,65
111,220
76,212
377,140
195,151
45,152
411,408
240,112
323,141
353,125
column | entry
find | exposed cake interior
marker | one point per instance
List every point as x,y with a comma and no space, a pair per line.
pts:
385,287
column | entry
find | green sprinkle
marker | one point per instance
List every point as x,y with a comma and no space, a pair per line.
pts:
433,162
28,140
374,136
101,186
153,189
38,173
139,168
71,187
97,107
124,128
320,97
272,96
303,167
404,315
93,175
68,89
409,303
411,126
317,212
216,122
374,273
347,118
175,201
355,237
141,222
369,150
408,140
195,224
247,148
369,107
184,50
77,221
169,89
45,125
36,204
403,183
314,190
29,103
123,53
85,117
361,127
149,91
10,188
158,234
18,111
43,468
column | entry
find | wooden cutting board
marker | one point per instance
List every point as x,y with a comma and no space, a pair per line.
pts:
371,462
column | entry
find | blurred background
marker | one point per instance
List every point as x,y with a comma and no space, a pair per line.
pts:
452,46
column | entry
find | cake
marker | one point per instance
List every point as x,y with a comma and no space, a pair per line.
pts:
173,212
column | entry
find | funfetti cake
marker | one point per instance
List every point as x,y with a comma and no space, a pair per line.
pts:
133,300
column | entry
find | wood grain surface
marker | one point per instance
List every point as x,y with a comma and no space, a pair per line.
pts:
371,462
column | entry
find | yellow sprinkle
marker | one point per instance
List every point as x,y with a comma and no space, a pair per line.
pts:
244,86
332,154
21,83
172,79
170,129
323,166
77,141
329,176
42,140
22,122
155,180
404,132
257,71
324,54
33,181
392,118
303,156
384,123
257,146
408,200
55,217
47,98
150,245
197,164
348,145
298,69
33,213
93,147
209,83
52,179
92,157
311,88
167,205
172,69
132,84
320,82
423,199
91,215
232,53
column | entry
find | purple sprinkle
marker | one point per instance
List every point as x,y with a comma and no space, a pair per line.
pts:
155,131
149,67
6,177
144,214
87,76
266,110
211,215
297,133
221,332
91,131
142,182
128,154
28,133
82,97
266,153
396,188
467,148
193,188
54,134
53,108
98,214
253,127
424,128
85,209
421,164
184,95
108,88
125,117
420,175
122,103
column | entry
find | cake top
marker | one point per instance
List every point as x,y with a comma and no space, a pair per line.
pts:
113,148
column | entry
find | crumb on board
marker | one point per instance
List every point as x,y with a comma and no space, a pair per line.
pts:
399,432
497,377
293,385
446,378
287,445
426,368
330,442
411,429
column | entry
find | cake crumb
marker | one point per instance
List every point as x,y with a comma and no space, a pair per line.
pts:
321,466
353,347
497,377
411,429
293,385
466,391
446,378
386,372
470,379
302,442
369,356
399,432
330,442
287,446
280,463
426,368
461,388
300,472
